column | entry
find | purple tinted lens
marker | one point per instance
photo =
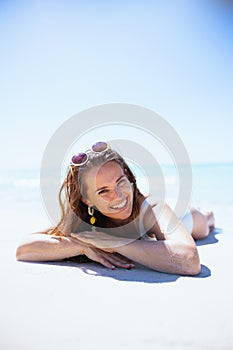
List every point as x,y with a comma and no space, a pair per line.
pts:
99,146
79,158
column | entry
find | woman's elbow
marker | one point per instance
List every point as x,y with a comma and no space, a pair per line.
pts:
192,264
21,253
25,253
185,260
32,247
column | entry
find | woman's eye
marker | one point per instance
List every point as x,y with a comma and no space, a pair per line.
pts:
102,192
122,182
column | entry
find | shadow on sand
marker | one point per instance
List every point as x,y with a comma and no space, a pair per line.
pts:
138,274
211,239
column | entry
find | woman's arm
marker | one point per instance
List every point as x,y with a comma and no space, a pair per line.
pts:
164,256
43,247
170,256
176,254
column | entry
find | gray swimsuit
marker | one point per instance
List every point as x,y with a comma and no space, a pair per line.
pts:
187,220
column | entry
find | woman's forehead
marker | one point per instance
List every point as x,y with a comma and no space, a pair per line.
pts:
108,172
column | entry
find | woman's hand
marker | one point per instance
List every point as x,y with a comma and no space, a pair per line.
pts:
99,252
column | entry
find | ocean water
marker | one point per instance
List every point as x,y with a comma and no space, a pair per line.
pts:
212,183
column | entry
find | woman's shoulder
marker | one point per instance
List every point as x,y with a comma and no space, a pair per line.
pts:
147,219
147,202
150,211
154,203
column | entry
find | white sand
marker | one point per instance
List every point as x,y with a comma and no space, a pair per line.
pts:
67,306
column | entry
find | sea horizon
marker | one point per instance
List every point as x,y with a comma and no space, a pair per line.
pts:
211,182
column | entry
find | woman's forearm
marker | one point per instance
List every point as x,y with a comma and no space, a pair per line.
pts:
164,256
43,247
176,254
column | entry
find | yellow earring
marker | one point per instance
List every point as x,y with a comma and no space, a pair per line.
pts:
92,219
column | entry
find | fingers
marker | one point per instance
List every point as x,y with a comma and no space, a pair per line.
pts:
108,260
112,263
122,258
96,252
120,261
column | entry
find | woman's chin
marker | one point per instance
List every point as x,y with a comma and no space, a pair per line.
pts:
121,217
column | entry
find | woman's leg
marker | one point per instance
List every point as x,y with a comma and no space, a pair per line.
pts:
203,223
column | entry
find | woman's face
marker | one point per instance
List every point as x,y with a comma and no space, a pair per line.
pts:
109,190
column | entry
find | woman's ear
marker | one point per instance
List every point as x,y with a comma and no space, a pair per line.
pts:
86,201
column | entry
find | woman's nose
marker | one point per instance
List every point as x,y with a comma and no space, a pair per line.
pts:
116,193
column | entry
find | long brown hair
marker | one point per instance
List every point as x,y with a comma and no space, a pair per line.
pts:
74,212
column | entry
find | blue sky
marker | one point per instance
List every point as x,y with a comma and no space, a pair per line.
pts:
60,57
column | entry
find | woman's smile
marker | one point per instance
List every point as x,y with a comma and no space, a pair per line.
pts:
122,210
120,205
111,191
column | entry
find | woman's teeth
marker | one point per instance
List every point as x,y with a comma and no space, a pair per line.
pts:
120,205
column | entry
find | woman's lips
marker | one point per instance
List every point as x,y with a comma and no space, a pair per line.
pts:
120,206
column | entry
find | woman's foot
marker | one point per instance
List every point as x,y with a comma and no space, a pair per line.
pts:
203,223
210,220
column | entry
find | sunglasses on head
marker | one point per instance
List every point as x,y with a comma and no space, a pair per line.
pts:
81,158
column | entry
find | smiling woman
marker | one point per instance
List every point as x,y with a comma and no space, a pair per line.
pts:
106,218
111,192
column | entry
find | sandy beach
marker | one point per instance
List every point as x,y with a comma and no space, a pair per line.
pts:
68,305
63,66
